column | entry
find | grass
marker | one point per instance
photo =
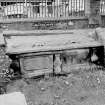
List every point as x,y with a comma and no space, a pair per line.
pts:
84,88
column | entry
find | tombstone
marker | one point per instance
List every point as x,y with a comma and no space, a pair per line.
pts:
41,52
16,98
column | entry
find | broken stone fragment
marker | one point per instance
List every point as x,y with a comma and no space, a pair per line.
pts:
66,82
70,23
56,97
43,89
98,80
94,58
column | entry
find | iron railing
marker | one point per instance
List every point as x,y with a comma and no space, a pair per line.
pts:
102,6
41,8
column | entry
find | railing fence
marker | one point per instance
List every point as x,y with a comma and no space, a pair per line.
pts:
41,8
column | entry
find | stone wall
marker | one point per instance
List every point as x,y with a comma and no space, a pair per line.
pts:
47,25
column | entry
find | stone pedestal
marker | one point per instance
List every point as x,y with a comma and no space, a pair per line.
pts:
57,64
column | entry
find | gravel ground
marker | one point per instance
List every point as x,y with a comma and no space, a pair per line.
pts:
82,88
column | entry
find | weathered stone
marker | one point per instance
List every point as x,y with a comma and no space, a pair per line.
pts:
57,63
15,98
